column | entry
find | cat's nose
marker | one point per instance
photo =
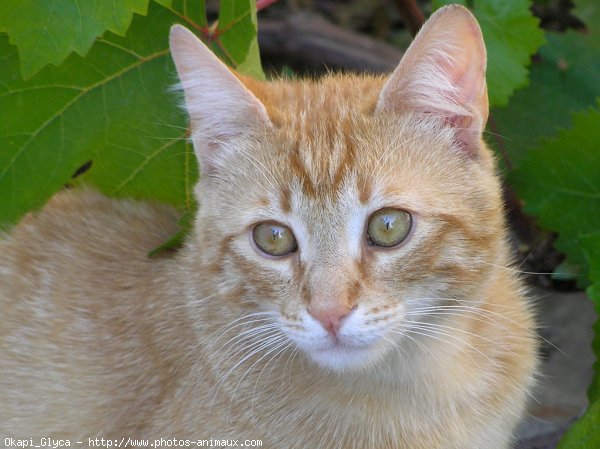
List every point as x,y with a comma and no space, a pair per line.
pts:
331,315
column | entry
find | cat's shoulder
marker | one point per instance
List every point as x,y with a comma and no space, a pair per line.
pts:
84,219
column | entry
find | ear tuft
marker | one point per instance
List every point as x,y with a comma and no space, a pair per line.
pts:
443,74
219,105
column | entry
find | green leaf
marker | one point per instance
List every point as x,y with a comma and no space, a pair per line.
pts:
511,35
564,79
437,4
185,224
165,3
589,13
234,39
559,183
113,107
192,12
237,36
584,433
47,31
591,248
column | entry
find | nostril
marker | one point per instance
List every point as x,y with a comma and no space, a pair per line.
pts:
331,317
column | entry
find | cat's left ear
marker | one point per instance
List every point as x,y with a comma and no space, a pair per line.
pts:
442,74
219,105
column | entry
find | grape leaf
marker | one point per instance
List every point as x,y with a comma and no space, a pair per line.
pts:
437,4
114,106
110,107
236,32
166,3
47,31
185,224
511,35
559,183
589,13
584,433
591,248
192,12
234,37
564,79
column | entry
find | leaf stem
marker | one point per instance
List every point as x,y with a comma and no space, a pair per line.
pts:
262,4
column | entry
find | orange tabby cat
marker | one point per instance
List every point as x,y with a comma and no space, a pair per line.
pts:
343,286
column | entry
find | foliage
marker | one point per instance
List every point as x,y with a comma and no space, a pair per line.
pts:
511,35
588,11
591,245
91,82
584,435
564,79
47,31
559,182
113,106
559,179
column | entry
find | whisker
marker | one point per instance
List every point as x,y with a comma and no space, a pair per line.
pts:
290,361
455,329
277,341
248,341
261,345
245,332
422,331
467,314
469,305
398,347
529,331
514,270
235,322
278,354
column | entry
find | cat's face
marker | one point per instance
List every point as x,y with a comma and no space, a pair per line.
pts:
346,208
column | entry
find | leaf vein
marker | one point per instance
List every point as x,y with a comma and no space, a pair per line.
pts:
140,167
84,92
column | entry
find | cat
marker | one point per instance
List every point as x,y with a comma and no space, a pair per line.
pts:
345,284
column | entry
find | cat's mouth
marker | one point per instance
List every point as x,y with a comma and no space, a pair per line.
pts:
336,343
339,355
351,347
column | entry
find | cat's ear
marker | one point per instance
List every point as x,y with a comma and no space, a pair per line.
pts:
443,74
219,105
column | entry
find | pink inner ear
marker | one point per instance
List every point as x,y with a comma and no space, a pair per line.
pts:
466,137
219,105
443,74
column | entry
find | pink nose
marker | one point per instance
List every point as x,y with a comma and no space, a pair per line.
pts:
331,316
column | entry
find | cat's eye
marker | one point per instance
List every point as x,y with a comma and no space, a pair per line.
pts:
388,227
274,239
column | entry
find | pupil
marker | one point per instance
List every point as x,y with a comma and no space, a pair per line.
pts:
388,222
276,233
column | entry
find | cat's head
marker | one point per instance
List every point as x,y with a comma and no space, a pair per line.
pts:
344,207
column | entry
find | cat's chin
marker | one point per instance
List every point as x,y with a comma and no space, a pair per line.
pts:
341,357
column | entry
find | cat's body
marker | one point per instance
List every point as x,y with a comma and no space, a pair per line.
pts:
112,352
340,343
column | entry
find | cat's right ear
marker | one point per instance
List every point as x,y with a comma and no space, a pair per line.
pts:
442,74
219,105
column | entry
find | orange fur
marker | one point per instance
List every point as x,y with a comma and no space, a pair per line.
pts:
96,339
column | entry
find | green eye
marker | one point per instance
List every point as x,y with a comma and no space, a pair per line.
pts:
388,227
274,238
